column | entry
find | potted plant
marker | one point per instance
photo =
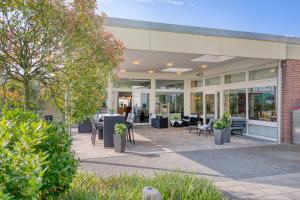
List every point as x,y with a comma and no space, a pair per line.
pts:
222,130
111,111
219,129
119,137
227,132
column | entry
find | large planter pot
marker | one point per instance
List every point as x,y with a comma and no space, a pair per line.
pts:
227,134
85,126
219,136
119,143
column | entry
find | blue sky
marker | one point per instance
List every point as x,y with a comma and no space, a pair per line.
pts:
280,17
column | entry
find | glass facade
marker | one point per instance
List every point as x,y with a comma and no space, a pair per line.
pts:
262,103
197,83
235,78
210,106
235,102
169,84
213,81
175,101
196,103
132,84
263,74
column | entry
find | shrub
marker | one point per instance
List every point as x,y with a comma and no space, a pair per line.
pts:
21,165
120,129
222,123
35,158
61,166
172,186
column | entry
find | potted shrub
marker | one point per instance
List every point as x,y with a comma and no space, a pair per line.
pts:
111,111
227,132
219,129
119,137
222,130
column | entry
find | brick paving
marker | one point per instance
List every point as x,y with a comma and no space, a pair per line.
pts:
245,168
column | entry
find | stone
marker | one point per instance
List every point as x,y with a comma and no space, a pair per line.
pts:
149,193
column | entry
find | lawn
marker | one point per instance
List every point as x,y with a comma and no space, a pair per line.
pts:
171,186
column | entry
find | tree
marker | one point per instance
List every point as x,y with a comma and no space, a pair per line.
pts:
61,46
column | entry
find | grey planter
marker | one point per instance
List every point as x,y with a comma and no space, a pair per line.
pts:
119,143
219,136
227,134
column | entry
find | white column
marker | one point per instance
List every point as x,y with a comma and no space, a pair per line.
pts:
204,108
279,97
221,102
247,102
187,94
152,97
216,105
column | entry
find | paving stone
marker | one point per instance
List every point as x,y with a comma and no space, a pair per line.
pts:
245,168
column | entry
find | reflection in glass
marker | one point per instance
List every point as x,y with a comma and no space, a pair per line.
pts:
213,81
132,84
197,83
140,107
235,102
263,74
262,103
235,78
169,84
175,101
197,103
210,106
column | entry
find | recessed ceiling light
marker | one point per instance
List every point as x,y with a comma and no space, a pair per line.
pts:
136,62
169,64
123,70
204,66
175,70
212,58
150,71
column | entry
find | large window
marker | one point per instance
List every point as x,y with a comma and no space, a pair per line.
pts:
213,81
175,100
262,103
235,102
132,84
197,103
169,84
263,74
197,83
235,78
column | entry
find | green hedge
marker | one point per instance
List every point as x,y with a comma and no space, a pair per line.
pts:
172,186
36,160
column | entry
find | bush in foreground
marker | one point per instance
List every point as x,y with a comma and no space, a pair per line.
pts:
172,186
35,158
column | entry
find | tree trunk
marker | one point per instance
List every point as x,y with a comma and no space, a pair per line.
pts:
26,88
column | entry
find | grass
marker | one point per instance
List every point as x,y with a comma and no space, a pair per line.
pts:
172,186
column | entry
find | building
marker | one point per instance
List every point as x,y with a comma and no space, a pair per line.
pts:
208,71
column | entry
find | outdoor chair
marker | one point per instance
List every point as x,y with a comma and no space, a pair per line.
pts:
129,125
207,128
96,126
190,120
238,124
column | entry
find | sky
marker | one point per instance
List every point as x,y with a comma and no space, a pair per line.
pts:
279,17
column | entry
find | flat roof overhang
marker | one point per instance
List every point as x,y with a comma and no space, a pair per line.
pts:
151,36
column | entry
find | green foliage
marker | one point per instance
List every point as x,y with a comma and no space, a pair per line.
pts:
172,186
21,165
61,164
120,129
222,123
35,158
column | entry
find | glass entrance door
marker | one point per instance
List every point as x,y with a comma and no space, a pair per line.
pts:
210,106
140,106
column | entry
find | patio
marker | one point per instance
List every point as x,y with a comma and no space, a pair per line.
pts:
245,168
